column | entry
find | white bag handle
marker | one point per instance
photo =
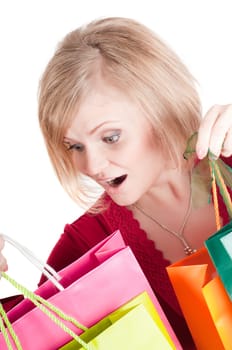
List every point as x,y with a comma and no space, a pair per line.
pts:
44,268
53,312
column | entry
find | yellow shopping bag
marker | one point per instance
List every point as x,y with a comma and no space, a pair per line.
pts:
134,326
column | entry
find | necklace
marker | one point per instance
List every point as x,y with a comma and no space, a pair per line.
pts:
178,234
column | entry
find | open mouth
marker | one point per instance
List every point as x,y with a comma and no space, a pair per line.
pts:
117,181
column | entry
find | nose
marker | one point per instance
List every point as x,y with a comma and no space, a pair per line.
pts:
95,164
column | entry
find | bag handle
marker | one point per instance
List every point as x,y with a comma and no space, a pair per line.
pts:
4,319
44,268
53,312
221,175
217,179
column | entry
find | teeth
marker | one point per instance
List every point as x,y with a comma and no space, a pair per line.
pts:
116,180
110,182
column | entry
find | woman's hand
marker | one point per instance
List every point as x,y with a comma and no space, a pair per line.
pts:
3,263
215,132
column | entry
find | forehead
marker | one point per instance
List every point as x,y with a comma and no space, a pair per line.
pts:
104,103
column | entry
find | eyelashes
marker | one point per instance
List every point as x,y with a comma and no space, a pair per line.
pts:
76,146
112,138
79,147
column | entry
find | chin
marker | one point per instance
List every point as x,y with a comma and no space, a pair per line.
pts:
123,202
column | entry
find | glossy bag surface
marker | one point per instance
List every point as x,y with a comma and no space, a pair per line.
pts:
203,300
95,285
134,326
219,247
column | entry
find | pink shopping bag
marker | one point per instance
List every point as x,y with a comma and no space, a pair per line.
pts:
95,285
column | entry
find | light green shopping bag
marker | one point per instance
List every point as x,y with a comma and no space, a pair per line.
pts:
134,326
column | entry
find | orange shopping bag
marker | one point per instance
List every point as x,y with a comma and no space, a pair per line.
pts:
203,300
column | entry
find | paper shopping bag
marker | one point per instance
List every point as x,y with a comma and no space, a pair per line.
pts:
203,300
219,247
134,326
95,285
55,315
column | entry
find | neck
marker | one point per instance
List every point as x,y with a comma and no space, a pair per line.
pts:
172,212
172,188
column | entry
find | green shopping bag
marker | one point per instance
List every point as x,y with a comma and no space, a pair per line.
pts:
134,326
219,247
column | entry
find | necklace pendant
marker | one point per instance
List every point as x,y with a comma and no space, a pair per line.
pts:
189,251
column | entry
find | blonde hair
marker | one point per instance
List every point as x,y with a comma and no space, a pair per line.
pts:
132,57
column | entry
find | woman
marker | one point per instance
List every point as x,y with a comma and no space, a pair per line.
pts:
117,106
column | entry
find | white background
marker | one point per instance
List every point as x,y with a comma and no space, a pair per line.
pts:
33,206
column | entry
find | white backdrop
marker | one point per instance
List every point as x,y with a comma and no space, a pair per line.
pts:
33,206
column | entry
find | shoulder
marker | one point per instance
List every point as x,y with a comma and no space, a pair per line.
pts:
77,238
89,229
85,232
227,160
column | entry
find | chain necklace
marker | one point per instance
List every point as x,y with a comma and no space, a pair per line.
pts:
178,234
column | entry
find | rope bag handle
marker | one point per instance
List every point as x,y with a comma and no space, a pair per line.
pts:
53,312
220,175
43,267
217,179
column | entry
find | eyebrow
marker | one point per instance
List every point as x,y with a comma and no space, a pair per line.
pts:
92,131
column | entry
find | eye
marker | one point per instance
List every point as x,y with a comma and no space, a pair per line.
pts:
76,146
112,138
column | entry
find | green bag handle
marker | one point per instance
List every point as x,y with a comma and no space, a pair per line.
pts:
4,319
53,312
217,179
219,174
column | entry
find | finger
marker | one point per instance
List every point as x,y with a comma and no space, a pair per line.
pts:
227,144
204,132
3,263
2,243
220,131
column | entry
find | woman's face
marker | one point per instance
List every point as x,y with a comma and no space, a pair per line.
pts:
111,141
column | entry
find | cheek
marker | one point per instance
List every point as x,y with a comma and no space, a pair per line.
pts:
77,162
141,156
146,148
149,158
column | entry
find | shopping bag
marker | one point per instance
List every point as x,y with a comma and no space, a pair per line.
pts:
95,285
219,247
202,297
53,313
203,300
134,326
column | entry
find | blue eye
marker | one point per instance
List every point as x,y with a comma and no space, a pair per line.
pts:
112,138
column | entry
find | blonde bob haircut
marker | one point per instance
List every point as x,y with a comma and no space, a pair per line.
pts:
132,58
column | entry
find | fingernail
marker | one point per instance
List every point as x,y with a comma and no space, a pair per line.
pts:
226,153
4,267
201,153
